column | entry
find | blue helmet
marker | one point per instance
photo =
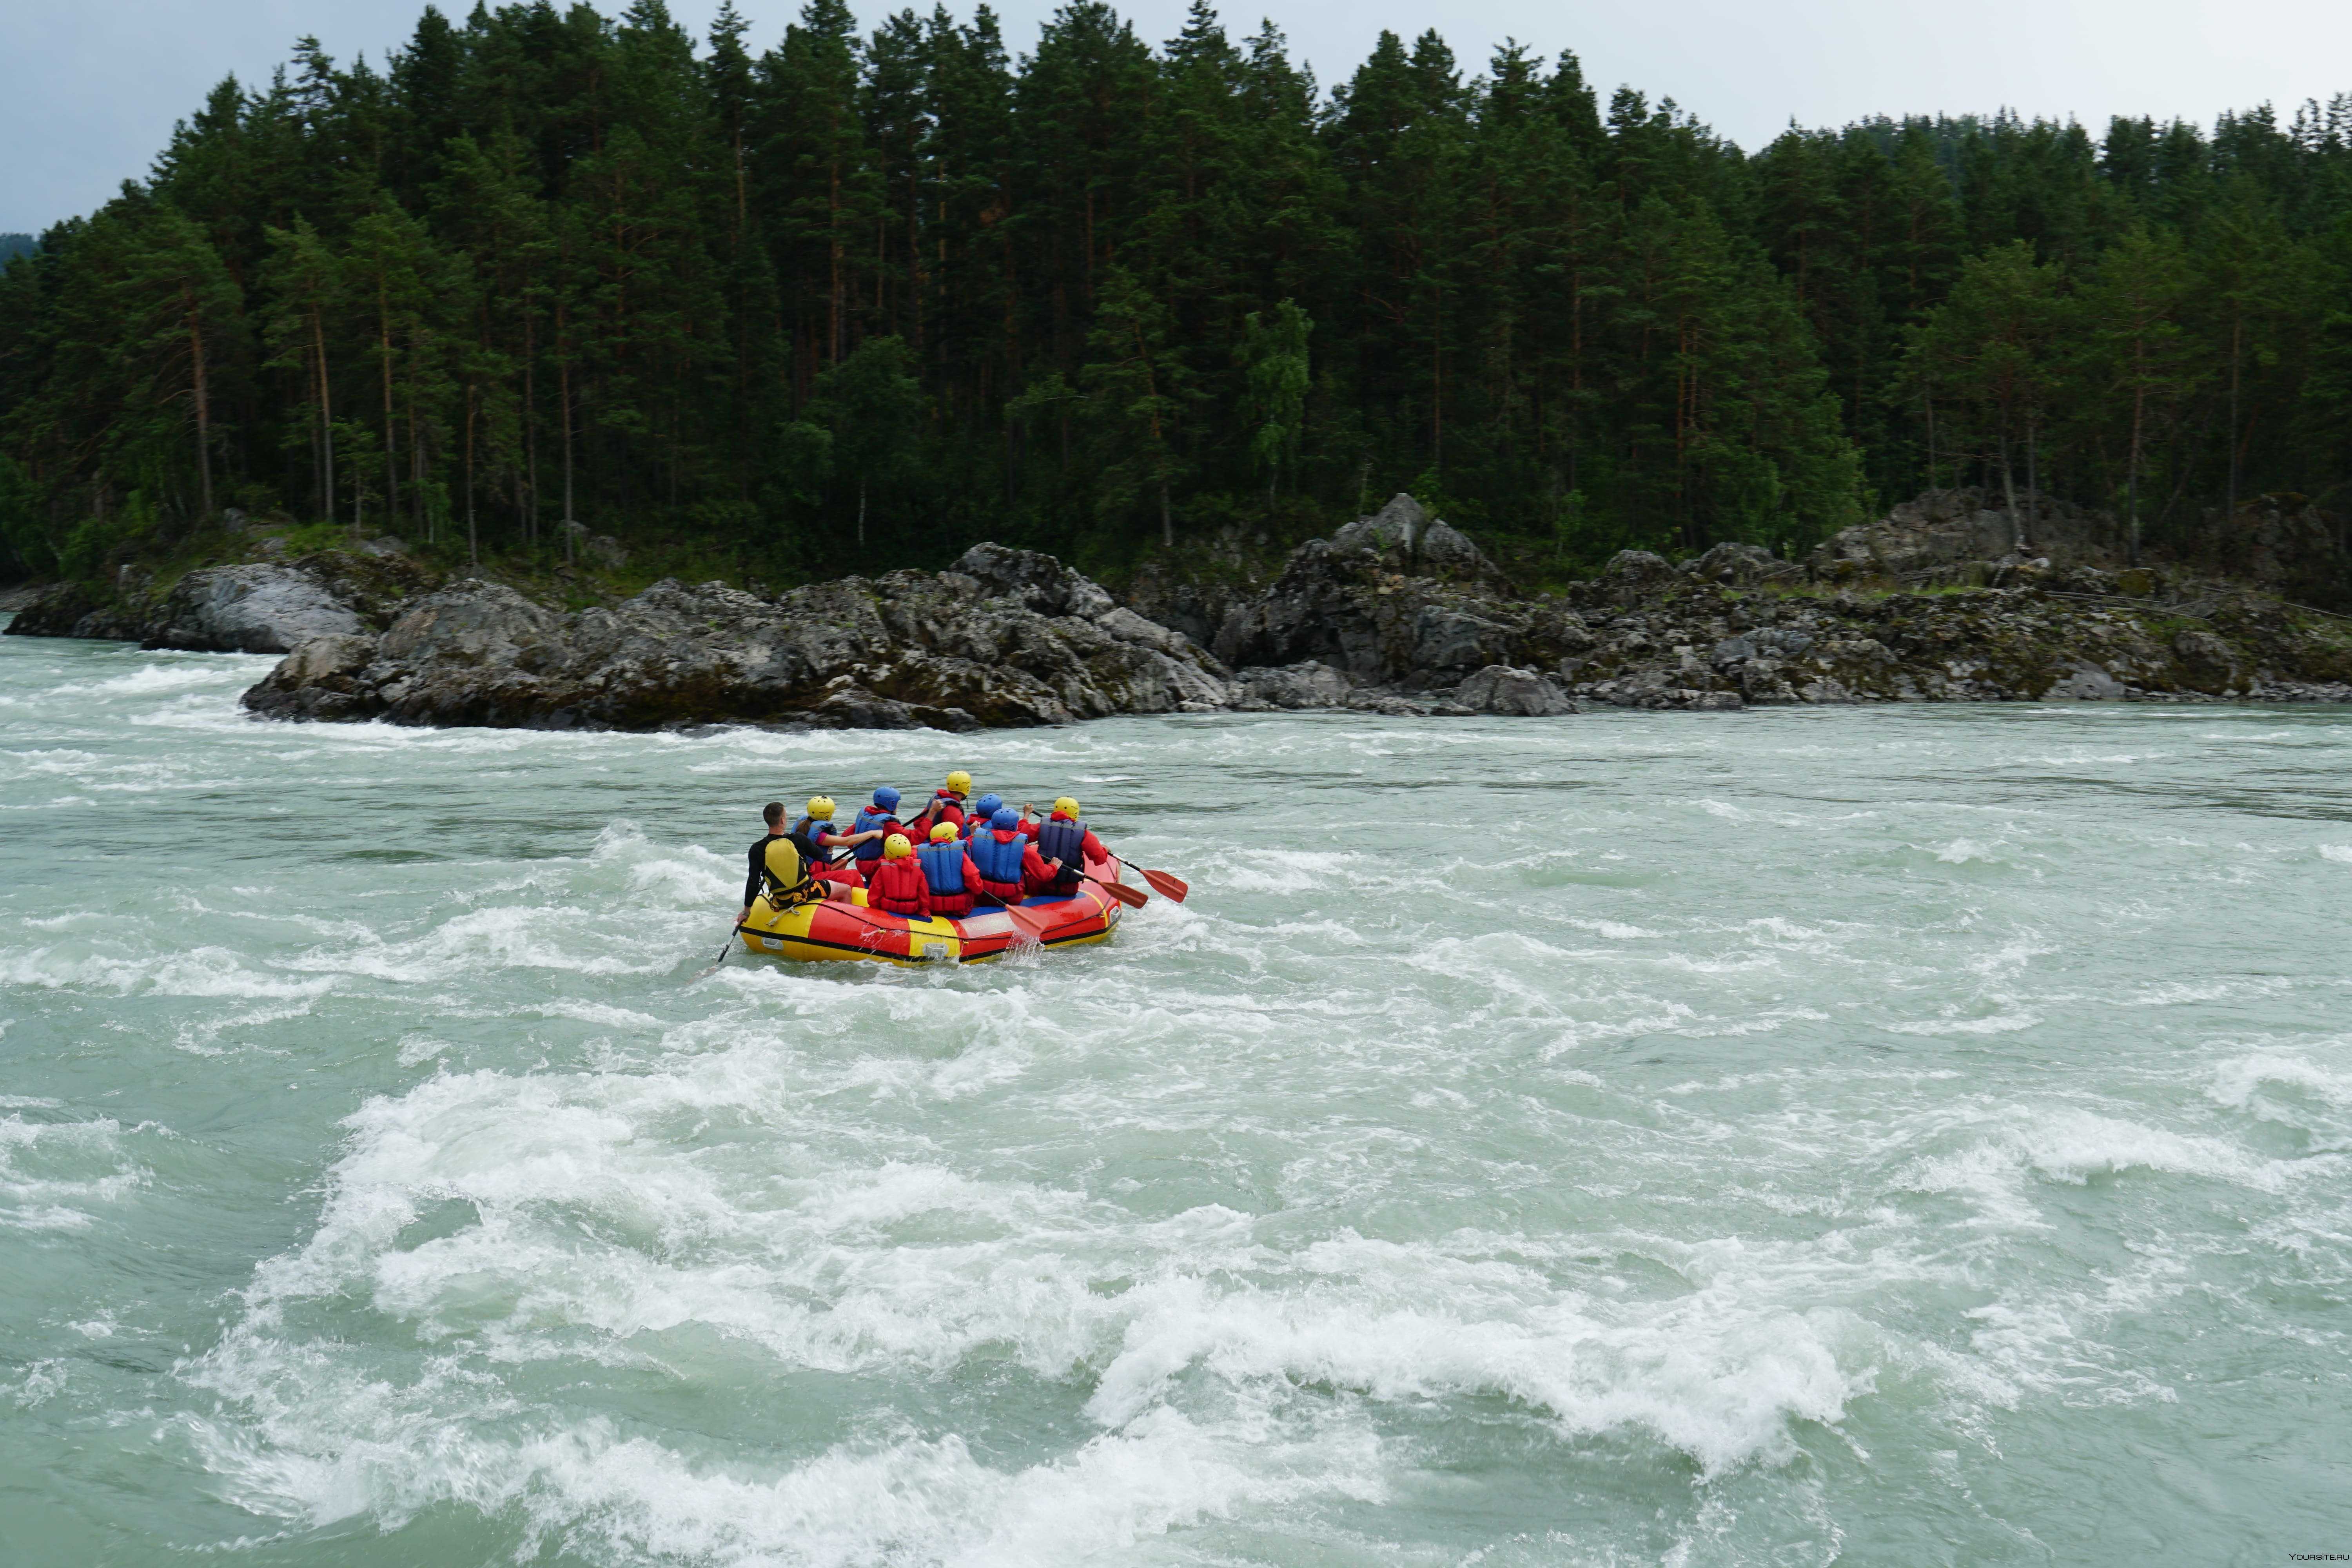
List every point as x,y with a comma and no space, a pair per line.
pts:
886,798
987,807
1006,819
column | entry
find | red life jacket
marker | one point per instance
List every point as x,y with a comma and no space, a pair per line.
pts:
898,887
941,808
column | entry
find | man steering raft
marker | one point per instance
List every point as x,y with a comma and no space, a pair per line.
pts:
775,867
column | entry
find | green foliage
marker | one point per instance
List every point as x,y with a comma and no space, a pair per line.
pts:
732,302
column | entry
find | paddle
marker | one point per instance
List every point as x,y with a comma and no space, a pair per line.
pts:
1166,886
725,948
1133,898
1032,923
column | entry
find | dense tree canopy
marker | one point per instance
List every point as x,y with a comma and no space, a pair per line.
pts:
861,299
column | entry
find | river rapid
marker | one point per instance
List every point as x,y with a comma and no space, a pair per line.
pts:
1903,1135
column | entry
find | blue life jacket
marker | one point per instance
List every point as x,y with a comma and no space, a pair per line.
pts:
943,865
868,819
804,836
998,860
1064,841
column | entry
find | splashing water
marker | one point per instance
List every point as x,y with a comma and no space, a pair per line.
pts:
1888,1136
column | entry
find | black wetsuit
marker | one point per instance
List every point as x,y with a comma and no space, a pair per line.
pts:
757,882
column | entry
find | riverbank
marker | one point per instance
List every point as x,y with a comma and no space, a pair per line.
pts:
1397,614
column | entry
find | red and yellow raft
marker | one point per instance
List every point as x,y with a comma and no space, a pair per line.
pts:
833,930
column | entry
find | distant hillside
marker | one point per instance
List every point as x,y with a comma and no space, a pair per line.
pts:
13,246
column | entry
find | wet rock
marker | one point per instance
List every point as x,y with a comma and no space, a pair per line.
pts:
1503,689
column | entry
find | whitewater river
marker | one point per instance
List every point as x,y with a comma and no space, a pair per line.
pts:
1896,1136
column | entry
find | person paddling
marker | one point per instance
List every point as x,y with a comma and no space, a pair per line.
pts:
776,867
1005,859
819,844
1065,846
896,884
878,821
949,875
948,805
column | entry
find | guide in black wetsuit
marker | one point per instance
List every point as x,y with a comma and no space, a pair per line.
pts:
773,861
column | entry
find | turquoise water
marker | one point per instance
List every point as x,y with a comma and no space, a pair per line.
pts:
1900,1136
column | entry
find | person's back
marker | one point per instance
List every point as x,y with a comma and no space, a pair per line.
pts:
1005,859
822,847
949,876
775,866
948,805
895,884
879,816
1065,845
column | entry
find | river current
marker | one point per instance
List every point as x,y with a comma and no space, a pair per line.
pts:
1893,1136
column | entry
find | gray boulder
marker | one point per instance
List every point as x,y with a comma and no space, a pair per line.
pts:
1741,566
1395,528
1503,689
1306,685
1034,580
258,608
1449,640
1637,567
1405,530
955,650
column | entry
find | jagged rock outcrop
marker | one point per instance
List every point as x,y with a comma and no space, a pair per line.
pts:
1395,614
258,608
1002,638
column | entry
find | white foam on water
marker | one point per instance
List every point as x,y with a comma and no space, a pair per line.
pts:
2337,852
54,1174
1991,1024
199,972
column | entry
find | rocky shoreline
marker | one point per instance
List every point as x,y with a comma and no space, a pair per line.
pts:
1397,614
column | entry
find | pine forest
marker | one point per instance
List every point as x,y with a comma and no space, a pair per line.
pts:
844,300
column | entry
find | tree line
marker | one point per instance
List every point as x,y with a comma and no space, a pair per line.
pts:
856,299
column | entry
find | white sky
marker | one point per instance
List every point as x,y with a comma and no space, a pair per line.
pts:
90,89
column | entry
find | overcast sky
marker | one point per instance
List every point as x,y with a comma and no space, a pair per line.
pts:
90,89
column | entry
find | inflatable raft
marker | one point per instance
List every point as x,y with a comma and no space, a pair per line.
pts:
832,930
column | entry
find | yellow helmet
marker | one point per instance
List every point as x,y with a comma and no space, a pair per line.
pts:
959,782
820,808
895,846
1066,807
943,830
